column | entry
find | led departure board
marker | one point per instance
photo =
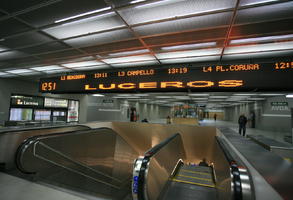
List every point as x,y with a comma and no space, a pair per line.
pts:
236,77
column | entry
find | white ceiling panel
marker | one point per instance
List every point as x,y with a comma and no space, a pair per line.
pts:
128,59
100,38
191,59
259,47
82,64
185,24
93,67
85,26
191,53
47,68
172,8
136,64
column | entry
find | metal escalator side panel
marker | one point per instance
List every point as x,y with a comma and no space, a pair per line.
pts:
95,161
157,167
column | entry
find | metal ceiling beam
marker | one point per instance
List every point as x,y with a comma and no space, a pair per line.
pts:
136,35
54,38
32,8
226,42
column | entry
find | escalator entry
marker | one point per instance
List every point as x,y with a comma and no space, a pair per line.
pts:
195,175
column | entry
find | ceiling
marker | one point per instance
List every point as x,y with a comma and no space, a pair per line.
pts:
44,37
209,99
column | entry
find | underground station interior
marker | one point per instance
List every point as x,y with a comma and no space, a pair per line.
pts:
146,100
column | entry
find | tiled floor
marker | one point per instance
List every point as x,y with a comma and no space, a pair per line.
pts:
279,136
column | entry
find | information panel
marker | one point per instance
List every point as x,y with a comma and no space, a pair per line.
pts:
236,77
56,103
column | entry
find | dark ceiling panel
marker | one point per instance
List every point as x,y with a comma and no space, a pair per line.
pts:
11,26
53,46
205,35
264,13
30,38
118,3
61,54
114,46
16,5
262,28
24,61
63,9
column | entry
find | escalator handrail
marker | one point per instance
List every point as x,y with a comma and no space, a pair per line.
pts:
10,131
145,162
234,171
34,139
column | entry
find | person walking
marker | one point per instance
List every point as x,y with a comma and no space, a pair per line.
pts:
242,124
215,117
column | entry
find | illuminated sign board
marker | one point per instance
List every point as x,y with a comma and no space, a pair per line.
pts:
26,101
236,77
56,103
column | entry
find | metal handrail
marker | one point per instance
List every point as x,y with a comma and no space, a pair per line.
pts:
141,178
236,185
35,140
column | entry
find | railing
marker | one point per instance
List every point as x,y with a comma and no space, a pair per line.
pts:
239,175
163,160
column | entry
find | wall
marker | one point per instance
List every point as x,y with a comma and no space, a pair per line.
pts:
266,118
9,86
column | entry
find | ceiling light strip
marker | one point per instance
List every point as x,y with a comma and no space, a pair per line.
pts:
83,14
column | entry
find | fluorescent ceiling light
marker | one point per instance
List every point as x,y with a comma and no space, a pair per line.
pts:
83,14
256,99
153,4
135,64
128,59
163,97
190,46
268,94
258,2
289,96
136,1
259,47
244,94
141,95
98,95
3,73
2,49
218,97
58,71
19,71
92,67
47,68
198,94
181,97
126,53
82,64
191,53
199,98
262,39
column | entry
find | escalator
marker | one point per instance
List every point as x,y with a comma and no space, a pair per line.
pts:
198,184
157,178
99,162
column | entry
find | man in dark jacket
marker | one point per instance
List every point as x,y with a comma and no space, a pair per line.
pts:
242,124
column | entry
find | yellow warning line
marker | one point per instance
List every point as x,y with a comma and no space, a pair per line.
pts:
205,179
200,184
185,170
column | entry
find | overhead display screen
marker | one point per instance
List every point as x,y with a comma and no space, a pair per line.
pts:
236,77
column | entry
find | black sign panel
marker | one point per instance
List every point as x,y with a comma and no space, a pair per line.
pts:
26,101
236,77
